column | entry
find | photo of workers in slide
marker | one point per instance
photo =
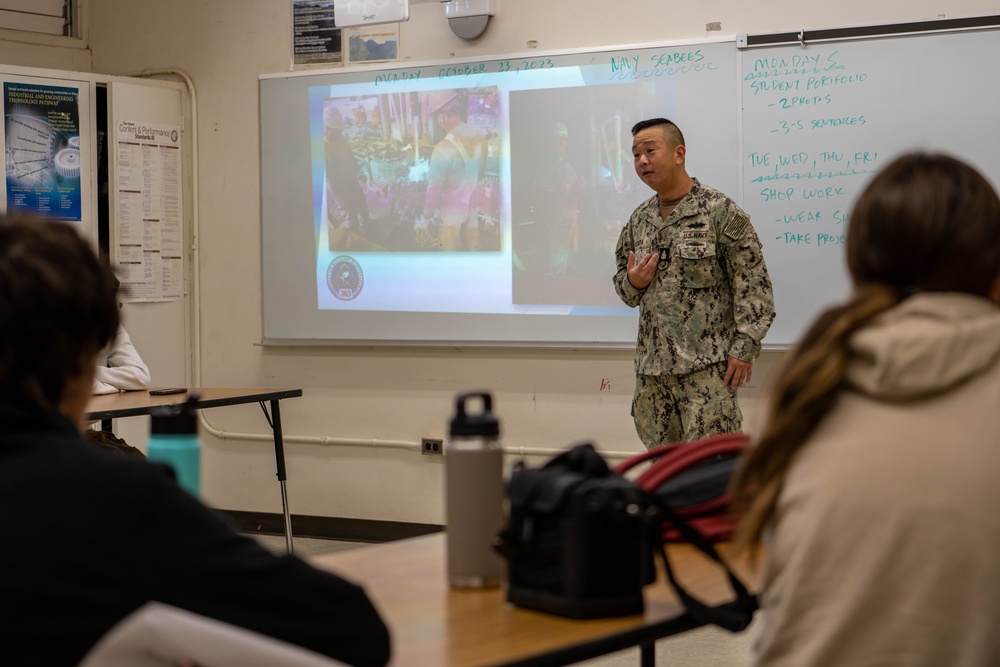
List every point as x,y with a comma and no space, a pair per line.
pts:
572,188
413,172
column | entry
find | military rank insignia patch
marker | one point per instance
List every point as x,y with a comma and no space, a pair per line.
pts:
736,226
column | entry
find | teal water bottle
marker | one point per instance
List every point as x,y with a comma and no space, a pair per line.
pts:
173,439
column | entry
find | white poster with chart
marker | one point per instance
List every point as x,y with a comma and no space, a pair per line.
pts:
159,329
149,242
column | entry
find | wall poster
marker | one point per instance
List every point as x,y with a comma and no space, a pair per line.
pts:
373,44
316,39
42,150
148,214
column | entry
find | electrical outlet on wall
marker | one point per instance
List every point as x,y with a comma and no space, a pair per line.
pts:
431,446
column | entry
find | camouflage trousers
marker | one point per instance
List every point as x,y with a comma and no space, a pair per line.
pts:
683,408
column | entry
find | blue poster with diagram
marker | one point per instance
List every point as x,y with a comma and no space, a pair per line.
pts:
42,150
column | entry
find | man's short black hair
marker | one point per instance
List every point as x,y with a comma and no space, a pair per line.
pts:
670,129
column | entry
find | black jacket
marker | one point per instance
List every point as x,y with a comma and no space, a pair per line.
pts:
87,537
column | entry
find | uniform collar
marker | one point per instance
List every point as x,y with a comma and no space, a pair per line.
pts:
684,208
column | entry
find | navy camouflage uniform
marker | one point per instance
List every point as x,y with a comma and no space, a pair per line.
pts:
711,297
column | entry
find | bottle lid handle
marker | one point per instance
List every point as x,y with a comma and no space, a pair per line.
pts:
483,423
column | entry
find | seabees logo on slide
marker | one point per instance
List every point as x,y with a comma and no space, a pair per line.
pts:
345,278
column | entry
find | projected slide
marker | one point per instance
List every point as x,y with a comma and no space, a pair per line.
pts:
478,202
410,172
476,199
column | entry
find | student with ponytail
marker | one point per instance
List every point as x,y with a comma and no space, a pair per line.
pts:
874,484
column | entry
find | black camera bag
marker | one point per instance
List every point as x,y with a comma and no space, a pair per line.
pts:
578,541
580,538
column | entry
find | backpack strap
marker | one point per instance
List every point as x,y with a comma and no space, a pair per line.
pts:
683,456
735,616
654,453
660,451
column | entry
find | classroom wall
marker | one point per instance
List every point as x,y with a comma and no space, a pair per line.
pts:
26,51
375,402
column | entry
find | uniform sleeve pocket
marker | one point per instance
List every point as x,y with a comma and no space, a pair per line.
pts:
698,264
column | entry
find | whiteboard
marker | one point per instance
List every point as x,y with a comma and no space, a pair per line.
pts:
819,120
385,290
792,132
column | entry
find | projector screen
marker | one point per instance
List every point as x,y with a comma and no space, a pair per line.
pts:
473,203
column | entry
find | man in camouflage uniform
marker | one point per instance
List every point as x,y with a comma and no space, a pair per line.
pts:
692,262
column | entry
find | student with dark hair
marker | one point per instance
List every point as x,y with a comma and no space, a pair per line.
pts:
691,261
91,537
874,481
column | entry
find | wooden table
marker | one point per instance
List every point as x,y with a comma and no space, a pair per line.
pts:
432,624
134,403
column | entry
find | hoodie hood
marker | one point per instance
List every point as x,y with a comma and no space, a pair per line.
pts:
927,344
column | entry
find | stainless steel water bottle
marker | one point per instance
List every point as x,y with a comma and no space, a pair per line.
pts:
473,493
173,439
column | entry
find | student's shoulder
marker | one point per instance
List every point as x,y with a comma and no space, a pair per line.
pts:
111,468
